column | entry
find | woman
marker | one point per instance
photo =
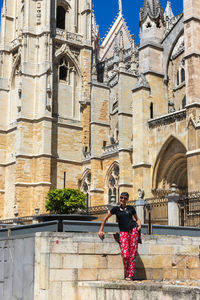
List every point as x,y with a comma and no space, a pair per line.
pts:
129,233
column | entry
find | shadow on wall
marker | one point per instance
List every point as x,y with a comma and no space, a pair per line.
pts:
140,269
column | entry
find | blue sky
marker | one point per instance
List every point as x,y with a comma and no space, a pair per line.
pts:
106,10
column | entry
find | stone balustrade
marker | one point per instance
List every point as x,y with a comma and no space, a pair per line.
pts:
69,36
176,116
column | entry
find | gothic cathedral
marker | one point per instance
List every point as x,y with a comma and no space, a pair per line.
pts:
101,116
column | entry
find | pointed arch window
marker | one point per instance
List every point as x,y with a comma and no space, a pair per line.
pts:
60,20
66,69
113,185
182,75
85,187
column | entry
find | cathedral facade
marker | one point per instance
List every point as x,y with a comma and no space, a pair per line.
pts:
101,116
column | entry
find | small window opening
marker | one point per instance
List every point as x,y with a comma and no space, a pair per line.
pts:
60,17
151,110
177,78
184,102
104,143
63,73
64,180
182,75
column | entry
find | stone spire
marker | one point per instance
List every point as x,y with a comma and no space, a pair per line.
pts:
153,9
168,11
120,7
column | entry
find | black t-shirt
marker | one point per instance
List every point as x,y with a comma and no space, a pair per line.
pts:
125,217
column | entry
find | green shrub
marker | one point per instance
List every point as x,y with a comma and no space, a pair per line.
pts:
65,201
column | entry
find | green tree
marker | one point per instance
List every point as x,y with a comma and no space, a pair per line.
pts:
65,201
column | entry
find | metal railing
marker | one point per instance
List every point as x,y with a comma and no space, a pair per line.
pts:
156,210
189,208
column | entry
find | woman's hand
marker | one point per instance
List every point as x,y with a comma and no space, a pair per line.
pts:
101,234
139,228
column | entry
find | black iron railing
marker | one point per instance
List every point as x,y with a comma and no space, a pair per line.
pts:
189,208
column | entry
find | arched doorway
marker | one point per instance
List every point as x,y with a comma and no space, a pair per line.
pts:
171,167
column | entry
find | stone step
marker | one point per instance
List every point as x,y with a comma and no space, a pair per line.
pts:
137,290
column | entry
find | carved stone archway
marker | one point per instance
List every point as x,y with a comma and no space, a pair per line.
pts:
171,167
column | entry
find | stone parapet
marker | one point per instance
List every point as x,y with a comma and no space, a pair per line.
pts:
64,264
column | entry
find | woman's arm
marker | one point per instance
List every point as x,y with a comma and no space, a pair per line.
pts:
138,222
101,233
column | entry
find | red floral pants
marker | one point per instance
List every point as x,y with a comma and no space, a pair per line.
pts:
129,246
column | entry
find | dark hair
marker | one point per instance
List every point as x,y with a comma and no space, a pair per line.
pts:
125,194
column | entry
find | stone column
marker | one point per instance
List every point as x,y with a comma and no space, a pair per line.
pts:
192,67
173,209
140,203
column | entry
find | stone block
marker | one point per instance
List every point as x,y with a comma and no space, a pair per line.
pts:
157,274
170,274
69,291
55,291
110,274
42,243
194,274
115,262
63,275
159,249
188,250
87,274
94,261
71,261
44,271
86,248
86,293
107,248
193,263
56,261
155,261
183,274
143,249
180,261
62,246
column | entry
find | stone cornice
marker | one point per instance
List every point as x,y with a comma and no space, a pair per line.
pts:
53,119
126,184
7,164
192,18
168,119
96,190
99,84
99,124
141,165
194,104
196,54
151,45
193,152
32,183
125,114
151,72
130,149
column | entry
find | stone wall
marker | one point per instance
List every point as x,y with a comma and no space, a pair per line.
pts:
59,265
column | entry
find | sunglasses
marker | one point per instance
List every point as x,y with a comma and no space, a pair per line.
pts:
122,197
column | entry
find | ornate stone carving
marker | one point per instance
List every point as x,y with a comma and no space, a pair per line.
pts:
142,82
168,119
38,12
